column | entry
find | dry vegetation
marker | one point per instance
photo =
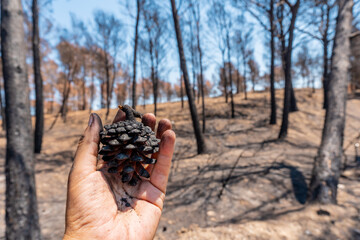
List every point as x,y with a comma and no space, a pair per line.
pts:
248,185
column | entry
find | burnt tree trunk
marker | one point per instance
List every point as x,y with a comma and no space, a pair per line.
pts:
21,216
224,76
293,104
238,81
245,90
198,134
192,61
326,171
39,112
83,87
135,51
201,67
272,65
230,75
325,41
289,96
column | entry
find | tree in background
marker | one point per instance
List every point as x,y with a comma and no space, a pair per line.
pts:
190,40
109,29
264,12
242,39
326,171
221,18
286,37
167,90
303,65
139,4
154,43
195,10
198,134
50,74
229,69
22,220
321,22
237,49
71,67
145,89
216,20
254,72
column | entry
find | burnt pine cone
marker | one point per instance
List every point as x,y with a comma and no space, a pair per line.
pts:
127,146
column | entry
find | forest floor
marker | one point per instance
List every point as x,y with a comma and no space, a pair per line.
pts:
248,185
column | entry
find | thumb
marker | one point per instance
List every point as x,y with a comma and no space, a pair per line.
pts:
87,151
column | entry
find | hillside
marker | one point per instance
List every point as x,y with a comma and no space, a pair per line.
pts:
247,186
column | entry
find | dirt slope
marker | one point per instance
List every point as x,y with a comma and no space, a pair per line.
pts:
248,185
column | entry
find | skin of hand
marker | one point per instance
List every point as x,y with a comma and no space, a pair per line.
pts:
99,205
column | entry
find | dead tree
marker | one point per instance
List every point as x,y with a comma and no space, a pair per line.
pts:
216,16
227,30
326,171
322,21
109,29
286,50
138,7
198,134
39,112
195,7
242,40
154,43
21,215
258,9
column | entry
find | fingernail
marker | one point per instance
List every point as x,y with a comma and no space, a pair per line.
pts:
91,119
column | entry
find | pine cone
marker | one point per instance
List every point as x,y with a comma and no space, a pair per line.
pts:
127,146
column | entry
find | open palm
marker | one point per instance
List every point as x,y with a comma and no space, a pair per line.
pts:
100,206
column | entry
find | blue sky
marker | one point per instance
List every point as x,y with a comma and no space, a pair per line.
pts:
61,11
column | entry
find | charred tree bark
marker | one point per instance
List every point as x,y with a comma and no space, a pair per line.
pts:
326,171
192,61
83,87
230,75
293,104
224,76
289,96
272,64
198,134
238,81
197,16
39,112
22,221
135,51
325,41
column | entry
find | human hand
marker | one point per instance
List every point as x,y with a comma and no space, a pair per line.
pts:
100,206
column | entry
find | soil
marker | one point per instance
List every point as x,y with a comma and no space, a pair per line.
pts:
248,185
